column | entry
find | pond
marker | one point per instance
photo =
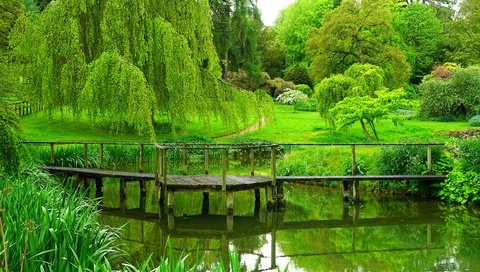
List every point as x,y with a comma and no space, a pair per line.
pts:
316,231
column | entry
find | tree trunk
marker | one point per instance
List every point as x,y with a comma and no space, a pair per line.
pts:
372,125
365,131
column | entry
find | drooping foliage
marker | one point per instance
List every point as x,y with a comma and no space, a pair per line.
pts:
9,12
155,46
358,95
293,27
358,32
10,138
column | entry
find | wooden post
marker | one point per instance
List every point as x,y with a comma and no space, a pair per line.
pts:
164,175
123,187
354,163
142,155
85,155
143,189
52,154
207,162
101,157
230,222
429,235
171,201
185,160
230,203
205,203
429,159
274,165
356,193
224,169
98,186
269,197
252,162
157,166
346,192
273,248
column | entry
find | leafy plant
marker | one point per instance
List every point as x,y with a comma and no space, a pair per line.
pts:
306,105
291,96
306,89
474,121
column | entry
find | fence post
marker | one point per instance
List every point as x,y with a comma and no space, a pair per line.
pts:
274,164
185,160
85,155
429,159
142,155
354,163
157,167
101,156
224,169
252,162
164,174
52,154
207,161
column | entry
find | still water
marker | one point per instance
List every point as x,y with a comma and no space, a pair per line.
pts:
316,231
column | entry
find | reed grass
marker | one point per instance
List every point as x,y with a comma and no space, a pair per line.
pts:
47,228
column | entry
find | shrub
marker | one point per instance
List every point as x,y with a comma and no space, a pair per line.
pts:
362,167
299,75
458,95
279,86
306,105
409,160
474,121
290,97
304,89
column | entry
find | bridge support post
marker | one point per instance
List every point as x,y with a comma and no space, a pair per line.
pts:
269,197
229,203
346,192
143,189
356,193
123,187
230,222
98,186
280,196
205,203
171,201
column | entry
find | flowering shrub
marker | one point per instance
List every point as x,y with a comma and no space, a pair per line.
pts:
291,96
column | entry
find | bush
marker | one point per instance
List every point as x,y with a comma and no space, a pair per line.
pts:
291,96
409,160
299,75
474,121
278,86
458,95
304,89
306,105
9,139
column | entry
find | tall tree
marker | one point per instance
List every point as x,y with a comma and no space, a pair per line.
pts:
422,34
164,46
222,28
9,12
293,27
464,36
358,32
271,54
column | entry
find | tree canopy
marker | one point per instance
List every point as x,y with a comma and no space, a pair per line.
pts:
358,32
293,27
156,55
465,33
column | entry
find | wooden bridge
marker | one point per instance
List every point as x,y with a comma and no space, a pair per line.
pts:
168,184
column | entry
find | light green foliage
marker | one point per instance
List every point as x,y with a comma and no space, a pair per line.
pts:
464,33
422,34
331,91
117,94
463,182
164,47
358,32
367,110
458,95
368,79
293,27
290,97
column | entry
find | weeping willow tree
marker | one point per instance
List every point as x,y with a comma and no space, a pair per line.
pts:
108,57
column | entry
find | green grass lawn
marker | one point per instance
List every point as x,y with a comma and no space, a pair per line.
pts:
288,126
308,127
38,127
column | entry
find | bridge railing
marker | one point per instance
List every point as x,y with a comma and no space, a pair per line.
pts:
220,151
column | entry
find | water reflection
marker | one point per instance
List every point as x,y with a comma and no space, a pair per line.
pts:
317,232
